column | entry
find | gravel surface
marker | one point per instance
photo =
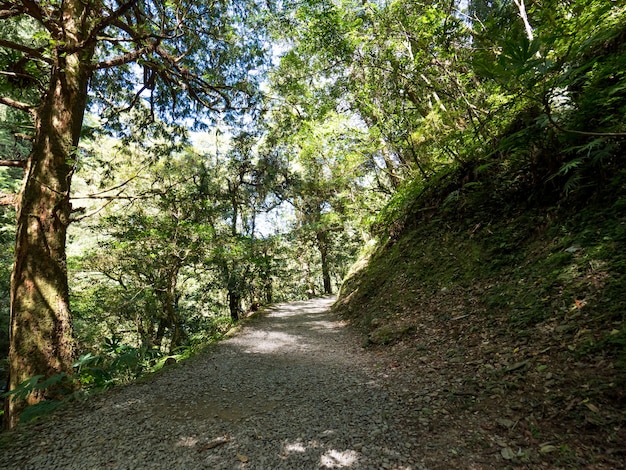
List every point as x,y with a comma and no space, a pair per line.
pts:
292,390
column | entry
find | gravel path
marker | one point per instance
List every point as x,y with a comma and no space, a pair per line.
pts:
292,390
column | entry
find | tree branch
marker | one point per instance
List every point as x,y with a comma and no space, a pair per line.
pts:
113,40
113,188
36,53
133,35
35,10
13,163
24,76
27,137
89,214
559,128
194,84
524,16
114,15
126,58
108,199
28,108
9,11
109,20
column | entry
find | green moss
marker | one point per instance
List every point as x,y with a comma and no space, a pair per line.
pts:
559,259
388,334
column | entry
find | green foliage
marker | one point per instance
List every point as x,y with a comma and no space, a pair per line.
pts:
118,363
452,136
208,334
40,383
571,71
39,410
8,184
531,268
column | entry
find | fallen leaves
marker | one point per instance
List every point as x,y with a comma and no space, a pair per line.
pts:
518,366
547,448
512,396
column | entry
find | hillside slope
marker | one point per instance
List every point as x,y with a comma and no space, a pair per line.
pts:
512,296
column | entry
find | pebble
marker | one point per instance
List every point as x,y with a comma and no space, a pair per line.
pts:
292,390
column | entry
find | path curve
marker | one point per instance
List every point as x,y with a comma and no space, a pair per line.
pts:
292,390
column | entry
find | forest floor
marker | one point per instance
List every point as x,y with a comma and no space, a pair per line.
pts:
511,319
490,399
294,388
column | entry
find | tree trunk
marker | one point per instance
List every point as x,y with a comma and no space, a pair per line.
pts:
322,245
389,166
234,305
170,310
268,288
158,339
41,330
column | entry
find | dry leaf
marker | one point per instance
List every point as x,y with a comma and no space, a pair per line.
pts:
547,448
508,453
505,423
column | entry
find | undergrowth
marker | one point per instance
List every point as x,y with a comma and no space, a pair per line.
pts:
557,258
515,291
115,363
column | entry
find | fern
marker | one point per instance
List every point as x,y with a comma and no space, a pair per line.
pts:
40,409
35,383
573,183
568,167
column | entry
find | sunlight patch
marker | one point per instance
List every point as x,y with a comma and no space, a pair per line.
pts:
295,447
324,325
269,342
337,459
187,441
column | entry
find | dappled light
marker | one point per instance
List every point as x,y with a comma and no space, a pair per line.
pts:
272,342
300,319
187,442
185,186
289,389
338,459
296,447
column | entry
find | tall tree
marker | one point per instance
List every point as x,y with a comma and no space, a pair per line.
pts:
251,180
184,50
400,65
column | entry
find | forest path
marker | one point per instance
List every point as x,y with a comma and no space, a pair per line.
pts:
292,390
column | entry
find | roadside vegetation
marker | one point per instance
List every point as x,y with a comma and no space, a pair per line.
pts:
469,156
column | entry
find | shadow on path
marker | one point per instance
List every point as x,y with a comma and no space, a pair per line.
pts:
292,390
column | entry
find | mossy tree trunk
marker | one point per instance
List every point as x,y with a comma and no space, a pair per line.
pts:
168,297
41,330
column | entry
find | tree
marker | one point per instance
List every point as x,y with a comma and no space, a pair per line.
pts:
185,51
8,178
147,247
251,180
329,188
402,67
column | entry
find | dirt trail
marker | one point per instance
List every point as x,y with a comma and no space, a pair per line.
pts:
293,389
